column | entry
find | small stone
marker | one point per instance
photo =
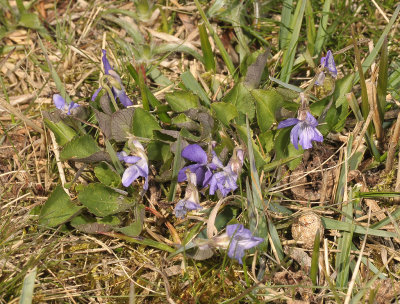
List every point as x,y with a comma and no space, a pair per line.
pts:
305,228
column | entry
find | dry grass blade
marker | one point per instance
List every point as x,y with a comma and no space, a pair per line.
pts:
21,116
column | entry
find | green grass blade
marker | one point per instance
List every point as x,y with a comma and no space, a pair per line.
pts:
348,227
56,78
310,25
290,52
351,99
371,57
395,215
344,246
209,61
258,223
364,95
315,259
191,83
381,88
131,28
142,87
276,240
322,29
27,287
286,19
153,101
218,42
175,169
141,241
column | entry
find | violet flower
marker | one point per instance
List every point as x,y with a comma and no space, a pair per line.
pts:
191,199
202,167
304,131
328,63
62,105
241,239
225,180
118,88
139,166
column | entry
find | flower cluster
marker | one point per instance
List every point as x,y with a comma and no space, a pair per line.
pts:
138,165
212,172
118,88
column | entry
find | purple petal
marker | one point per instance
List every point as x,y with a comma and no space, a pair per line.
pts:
96,93
123,98
195,154
318,136
207,177
131,159
121,155
183,206
106,63
288,122
59,101
294,136
306,136
215,162
213,185
248,243
310,120
235,228
330,64
195,168
130,174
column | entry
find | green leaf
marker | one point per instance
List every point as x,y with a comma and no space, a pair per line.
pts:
27,287
286,18
371,57
241,98
218,42
342,87
381,89
267,102
322,28
191,83
102,200
132,230
209,61
310,24
106,175
30,20
58,209
121,124
315,258
290,52
181,101
258,224
142,241
144,123
79,147
260,162
224,112
92,225
62,132
178,161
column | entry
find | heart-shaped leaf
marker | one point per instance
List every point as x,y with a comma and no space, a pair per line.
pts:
102,200
58,209
80,147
